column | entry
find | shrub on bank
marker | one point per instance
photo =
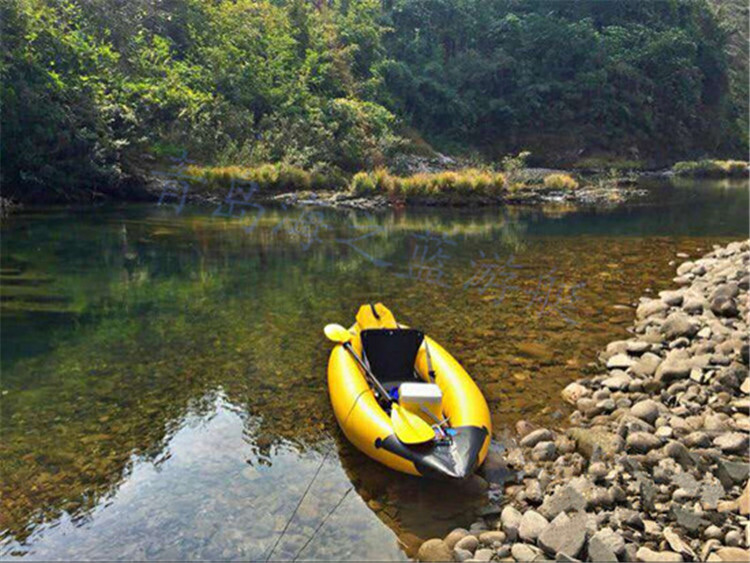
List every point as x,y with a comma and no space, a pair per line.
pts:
269,177
708,168
560,182
464,183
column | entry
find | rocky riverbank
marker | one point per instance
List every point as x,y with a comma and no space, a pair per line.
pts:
654,465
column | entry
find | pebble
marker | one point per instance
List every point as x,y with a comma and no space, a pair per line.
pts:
491,537
646,554
533,438
734,442
452,538
469,543
523,552
642,442
544,451
647,410
434,550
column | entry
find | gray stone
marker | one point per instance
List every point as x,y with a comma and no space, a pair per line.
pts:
492,536
618,381
544,451
688,519
523,552
697,440
600,551
678,324
629,518
646,365
642,442
733,554
566,498
724,307
733,442
620,361
596,441
452,538
673,298
532,524
510,518
733,538
573,392
713,533
651,307
728,290
566,558
567,536
461,554
687,482
647,410
469,543
610,539
638,347
732,473
533,438
672,370
680,454
434,550
677,544
646,554
483,554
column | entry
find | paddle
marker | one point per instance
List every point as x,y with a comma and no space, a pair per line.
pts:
409,427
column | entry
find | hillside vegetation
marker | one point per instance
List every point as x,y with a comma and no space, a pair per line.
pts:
95,93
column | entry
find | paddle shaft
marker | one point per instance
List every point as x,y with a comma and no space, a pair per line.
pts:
369,374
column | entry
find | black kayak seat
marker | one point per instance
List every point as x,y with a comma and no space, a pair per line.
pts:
391,353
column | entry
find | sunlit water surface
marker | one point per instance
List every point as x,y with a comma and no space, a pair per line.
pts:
163,375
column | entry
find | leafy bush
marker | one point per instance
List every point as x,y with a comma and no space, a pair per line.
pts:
560,182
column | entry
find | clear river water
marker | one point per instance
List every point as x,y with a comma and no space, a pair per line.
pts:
163,382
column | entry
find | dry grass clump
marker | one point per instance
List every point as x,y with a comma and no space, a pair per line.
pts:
466,182
560,182
269,177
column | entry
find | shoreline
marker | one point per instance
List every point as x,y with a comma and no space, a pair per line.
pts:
653,465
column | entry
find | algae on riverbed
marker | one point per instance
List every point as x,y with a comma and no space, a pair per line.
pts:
175,315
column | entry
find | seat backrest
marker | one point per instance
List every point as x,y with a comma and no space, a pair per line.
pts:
392,352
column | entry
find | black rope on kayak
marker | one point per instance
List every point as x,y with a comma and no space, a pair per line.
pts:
374,311
296,508
322,522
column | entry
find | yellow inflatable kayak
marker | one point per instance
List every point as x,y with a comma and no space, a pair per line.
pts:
422,377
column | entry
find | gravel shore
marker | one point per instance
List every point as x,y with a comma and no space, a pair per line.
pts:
654,463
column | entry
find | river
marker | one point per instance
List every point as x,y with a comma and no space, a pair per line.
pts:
163,372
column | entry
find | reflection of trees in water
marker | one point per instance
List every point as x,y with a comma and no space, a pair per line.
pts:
174,310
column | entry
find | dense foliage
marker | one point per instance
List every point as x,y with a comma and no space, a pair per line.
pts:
90,88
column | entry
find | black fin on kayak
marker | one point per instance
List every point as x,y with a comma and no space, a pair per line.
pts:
456,459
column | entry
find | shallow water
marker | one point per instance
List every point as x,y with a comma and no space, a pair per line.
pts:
163,375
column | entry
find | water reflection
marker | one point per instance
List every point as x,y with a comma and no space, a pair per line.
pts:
164,377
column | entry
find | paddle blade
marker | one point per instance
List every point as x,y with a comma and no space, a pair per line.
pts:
337,333
409,427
